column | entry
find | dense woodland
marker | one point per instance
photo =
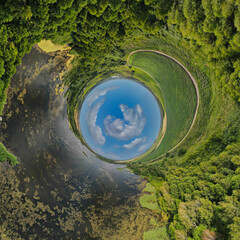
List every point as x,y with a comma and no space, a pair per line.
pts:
97,27
198,190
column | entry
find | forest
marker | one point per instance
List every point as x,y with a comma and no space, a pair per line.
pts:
198,185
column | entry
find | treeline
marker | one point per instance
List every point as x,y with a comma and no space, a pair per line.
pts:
209,26
199,192
100,26
24,23
213,26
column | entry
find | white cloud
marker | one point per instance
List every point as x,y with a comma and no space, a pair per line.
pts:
107,155
99,93
131,126
143,147
95,130
135,143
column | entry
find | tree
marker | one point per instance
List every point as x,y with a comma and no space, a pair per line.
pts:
235,229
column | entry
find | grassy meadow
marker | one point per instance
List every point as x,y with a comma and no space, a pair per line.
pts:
149,82
7,156
179,94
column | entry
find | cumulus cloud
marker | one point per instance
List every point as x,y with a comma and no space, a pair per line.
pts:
99,93
131,126
135,143
95,130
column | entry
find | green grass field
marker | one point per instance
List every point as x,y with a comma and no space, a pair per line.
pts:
157,234
149,188
149,200
7,156
149,82
179,94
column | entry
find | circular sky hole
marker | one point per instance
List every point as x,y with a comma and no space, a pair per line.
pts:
120,119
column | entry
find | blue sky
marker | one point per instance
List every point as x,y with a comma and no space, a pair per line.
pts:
120,119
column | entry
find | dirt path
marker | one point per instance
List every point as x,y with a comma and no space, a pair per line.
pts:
194,83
